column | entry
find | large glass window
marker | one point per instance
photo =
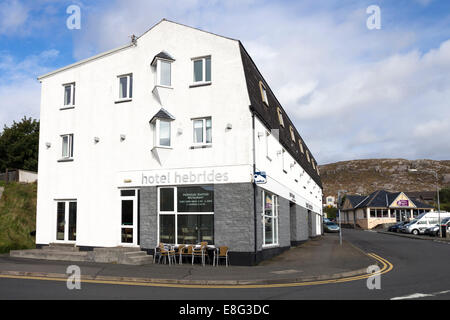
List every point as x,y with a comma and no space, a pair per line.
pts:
186,214
270,221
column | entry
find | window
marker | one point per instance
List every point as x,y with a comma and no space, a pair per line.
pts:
307,156
202,70
186,214
67,146
270,219
163,133
202,131
292,133
125,87
263,90
313,164
280,117
373,213
69,95
164,73
301,145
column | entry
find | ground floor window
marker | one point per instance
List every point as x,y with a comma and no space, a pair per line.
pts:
66,220
270,221
186,214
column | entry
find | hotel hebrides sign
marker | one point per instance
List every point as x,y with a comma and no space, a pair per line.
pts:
403,203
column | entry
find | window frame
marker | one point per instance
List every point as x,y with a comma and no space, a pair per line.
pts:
69,146
157,134
159,63
300,143
175,212
203,81
291,129
274,216
204,131
280,117
71,104
129,77
263,91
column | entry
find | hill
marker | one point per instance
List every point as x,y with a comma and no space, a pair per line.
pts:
366,176
17,216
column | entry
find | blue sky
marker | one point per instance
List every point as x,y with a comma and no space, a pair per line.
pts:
352,92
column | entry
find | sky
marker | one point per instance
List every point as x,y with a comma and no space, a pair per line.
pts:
351,91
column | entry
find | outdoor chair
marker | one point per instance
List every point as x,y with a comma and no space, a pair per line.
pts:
221,253
186,252
179,252
200,253
168,254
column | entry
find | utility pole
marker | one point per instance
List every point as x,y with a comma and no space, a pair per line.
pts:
339,212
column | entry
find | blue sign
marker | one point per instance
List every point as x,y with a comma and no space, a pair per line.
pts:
260,177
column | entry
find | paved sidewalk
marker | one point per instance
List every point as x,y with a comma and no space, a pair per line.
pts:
318,259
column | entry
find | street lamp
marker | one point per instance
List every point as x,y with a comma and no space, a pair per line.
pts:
339,212
439,204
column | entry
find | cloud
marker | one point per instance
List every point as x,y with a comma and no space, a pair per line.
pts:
351,92
13,15
19,89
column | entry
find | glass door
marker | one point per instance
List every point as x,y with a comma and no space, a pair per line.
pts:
66,221
129,208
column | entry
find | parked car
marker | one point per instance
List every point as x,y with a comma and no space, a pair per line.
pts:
432,231
330,227
424,221
396,227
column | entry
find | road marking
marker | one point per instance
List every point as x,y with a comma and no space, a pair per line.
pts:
421,295
387,266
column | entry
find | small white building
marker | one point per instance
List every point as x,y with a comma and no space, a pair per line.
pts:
175,138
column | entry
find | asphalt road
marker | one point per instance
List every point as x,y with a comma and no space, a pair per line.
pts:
421,271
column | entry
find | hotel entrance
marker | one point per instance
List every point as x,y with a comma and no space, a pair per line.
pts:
129,200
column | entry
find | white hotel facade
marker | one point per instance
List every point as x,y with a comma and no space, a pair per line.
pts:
159,140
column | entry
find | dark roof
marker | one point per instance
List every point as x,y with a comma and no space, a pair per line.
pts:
424,195
268,115
162,114
355,199
162,55
380,198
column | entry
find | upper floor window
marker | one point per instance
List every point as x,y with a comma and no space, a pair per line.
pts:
69,94
202,69
164,73
301,146
163,133
202,130
307,156
292,133
267,145
67,146
263,90
125,86
280,117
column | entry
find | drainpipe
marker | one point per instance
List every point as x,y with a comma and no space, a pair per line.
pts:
255,213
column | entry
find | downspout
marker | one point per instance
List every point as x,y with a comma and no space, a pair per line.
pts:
255,214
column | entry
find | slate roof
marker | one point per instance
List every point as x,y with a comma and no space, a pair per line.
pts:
162,55
381,198
162,114
269,116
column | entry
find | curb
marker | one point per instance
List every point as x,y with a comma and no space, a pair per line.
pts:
410,236
60,276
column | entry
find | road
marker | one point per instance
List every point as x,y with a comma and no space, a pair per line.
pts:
421,271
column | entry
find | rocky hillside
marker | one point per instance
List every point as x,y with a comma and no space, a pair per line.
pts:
366,176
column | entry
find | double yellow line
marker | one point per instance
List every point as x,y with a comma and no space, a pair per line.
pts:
386,267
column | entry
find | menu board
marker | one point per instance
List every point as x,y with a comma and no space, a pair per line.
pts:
195,199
